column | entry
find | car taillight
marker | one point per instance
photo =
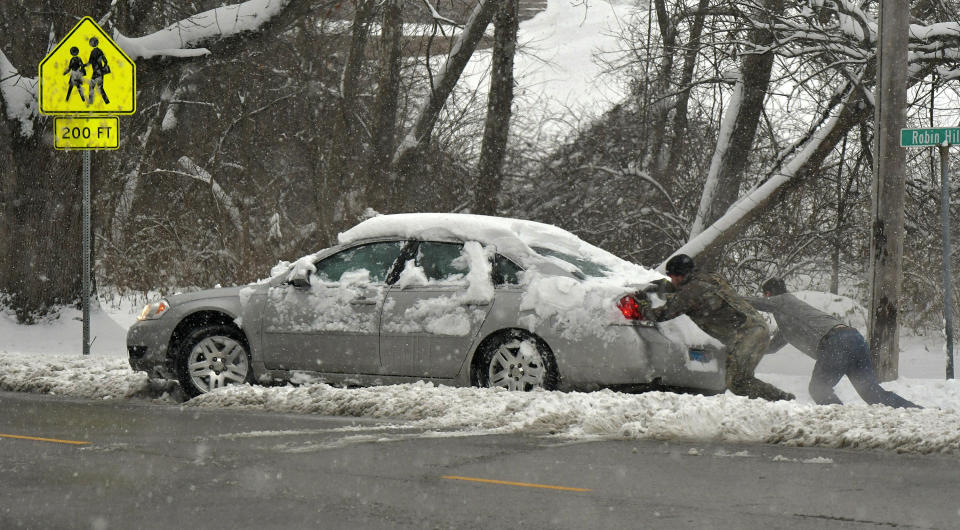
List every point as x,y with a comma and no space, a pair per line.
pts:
630,308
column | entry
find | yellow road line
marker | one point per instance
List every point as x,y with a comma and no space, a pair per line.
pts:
34,438
508,483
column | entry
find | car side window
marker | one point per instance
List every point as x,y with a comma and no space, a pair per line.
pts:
505,272
375,258
440,261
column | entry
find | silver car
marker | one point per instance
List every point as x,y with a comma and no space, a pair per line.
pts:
449,298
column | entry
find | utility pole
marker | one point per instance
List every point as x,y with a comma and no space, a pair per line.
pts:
889,184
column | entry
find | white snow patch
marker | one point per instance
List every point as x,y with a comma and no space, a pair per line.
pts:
19,95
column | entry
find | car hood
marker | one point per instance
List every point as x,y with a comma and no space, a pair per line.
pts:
206,294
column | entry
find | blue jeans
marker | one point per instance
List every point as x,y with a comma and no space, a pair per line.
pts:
844,352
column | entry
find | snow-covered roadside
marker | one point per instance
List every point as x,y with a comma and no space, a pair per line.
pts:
46,359
452,411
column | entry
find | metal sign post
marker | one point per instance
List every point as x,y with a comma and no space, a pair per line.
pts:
85,296
942,138
87,122
945,219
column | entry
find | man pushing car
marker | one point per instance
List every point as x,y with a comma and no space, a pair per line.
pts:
838,349
718,310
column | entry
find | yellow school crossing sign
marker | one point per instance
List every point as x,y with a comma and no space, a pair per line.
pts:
87,74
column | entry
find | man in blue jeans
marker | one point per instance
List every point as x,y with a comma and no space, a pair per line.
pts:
838,349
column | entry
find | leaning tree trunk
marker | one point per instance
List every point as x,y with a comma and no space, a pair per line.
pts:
805,163
497,125
730,159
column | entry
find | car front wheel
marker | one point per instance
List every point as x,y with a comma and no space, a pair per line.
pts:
213,357
517,362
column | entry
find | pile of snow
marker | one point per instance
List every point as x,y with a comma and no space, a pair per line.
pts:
450,411
45,358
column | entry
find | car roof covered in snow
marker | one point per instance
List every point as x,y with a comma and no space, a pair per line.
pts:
515,238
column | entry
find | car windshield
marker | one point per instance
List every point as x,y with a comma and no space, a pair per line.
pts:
585,266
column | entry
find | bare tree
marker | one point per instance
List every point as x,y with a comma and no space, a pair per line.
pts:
345,147
740,125
384,121
497,127
405,158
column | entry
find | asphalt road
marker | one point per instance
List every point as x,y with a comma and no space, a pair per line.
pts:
121,464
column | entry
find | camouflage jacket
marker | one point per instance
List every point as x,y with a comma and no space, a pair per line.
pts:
712,304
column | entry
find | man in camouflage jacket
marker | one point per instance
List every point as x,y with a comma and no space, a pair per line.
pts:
719,311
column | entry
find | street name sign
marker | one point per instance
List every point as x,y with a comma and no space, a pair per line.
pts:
87,74
929,137
87,133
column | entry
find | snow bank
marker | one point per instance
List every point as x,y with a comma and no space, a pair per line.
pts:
448,411
72,376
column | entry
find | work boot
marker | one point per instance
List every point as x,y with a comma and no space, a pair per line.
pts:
752,387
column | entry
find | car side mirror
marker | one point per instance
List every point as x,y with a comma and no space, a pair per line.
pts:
300,283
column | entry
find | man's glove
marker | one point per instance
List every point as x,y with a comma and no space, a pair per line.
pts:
660,287
643,305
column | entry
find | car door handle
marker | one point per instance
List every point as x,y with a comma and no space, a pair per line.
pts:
363,301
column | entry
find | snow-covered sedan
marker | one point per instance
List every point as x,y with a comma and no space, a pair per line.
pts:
449,298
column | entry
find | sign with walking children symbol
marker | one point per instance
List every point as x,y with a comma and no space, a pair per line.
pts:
87,74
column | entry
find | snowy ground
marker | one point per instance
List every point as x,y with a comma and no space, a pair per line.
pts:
47,358
560,84
556,66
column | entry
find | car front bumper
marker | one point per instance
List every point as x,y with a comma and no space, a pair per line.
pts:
148,342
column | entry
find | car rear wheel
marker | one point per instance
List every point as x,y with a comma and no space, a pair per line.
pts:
213,357
517,361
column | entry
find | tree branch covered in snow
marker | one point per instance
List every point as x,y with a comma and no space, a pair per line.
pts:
18,96
804,163
19,93
190,169
178,39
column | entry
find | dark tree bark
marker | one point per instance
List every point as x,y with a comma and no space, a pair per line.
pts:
497,125
678,136
407,155
346,145
40,188
385,108
755,71
661,108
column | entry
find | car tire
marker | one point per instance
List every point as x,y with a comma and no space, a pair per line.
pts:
212,357
516,361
